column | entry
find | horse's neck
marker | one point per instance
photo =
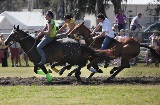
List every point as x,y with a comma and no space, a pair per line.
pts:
87,37
27,44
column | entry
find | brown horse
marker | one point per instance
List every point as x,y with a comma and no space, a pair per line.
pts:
66,50
126,49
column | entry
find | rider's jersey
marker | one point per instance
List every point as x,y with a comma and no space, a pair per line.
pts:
53,32
107,28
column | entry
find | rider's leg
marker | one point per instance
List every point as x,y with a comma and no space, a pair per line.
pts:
104,46
45,40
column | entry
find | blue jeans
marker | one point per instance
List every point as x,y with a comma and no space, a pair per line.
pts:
45,40
133,27
106,42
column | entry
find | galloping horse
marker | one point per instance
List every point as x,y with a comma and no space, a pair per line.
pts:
126,49
65,50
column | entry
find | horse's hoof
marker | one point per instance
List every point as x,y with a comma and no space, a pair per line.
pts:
99,71
107,80
49,71
88,79
112,71
106,65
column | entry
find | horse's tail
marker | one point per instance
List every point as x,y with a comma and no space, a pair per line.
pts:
154,53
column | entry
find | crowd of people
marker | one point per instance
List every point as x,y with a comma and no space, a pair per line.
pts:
49,32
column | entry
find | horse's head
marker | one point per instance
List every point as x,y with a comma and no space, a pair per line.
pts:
15,36
80,30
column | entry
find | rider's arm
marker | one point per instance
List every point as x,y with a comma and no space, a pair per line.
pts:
62,28
97,28
48,32
101,35
71,25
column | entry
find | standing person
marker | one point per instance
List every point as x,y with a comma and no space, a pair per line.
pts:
15,54
121,35
153,40
107,31
135,23
49,33
69,25
3,52
120,19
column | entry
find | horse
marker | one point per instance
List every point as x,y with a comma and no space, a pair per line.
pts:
127,48
64,50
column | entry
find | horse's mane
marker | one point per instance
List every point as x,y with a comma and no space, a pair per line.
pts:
25,33
128,40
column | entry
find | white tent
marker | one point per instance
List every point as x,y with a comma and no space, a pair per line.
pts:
25,20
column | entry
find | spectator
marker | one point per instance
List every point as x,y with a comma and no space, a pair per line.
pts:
153,39
135,23
15,54
115,29
120,19
121,35
4,52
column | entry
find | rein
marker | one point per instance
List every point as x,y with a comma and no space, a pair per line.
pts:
25,38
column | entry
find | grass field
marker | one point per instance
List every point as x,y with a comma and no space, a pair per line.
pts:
124,94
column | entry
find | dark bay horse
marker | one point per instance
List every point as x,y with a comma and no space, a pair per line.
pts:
126,49
65,50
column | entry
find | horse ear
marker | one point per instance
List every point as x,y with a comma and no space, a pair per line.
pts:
14,27
17,27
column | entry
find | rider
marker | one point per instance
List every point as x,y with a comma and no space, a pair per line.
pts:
107,31
49,32
69,24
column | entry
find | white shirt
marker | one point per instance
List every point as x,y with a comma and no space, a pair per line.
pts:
107,28
134,19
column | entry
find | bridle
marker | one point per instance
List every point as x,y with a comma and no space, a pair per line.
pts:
14,41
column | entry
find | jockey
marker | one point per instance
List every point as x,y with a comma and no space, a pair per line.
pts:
107,31
49,32
69,25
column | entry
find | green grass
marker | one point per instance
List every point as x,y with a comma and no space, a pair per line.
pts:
136,71
81,95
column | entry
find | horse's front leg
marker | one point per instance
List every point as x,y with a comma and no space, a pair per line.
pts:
36,68
49,78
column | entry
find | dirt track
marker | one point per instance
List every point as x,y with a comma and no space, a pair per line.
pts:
10,81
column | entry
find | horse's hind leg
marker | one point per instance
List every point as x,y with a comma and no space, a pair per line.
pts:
113,70
118,70
98,71
55,64
64,68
